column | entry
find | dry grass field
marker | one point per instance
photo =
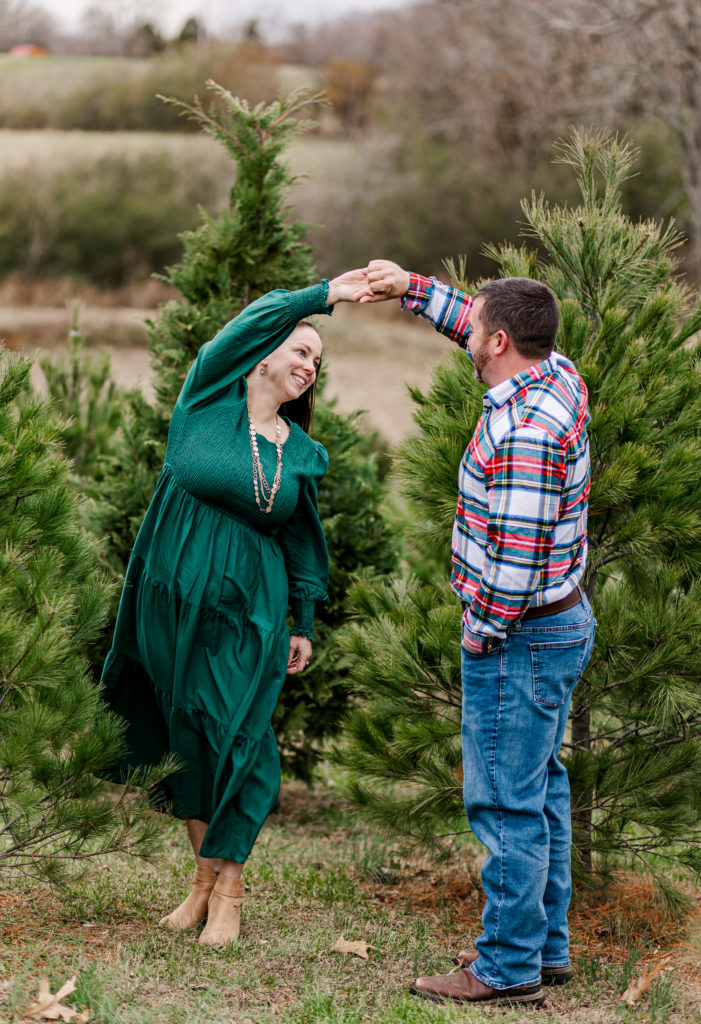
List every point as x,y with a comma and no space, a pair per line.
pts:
54,76
314,155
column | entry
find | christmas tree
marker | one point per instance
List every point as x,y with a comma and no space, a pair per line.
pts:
634,752
89,401
247,249
55,734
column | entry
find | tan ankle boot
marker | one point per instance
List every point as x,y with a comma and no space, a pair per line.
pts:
224,912
194,907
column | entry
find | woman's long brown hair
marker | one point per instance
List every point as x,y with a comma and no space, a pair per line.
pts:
301,410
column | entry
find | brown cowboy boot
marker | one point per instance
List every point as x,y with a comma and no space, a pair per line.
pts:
193,909
463,987
224,913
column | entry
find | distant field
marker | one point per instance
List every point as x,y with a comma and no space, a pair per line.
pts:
59,91
310,155
58,75
49,76
51,108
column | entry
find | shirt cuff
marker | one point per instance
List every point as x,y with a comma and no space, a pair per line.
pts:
419,293
311,300
302,617
474,644
477,643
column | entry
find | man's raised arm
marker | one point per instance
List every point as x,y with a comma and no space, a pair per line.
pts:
448,309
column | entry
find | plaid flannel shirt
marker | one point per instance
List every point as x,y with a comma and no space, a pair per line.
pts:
520,532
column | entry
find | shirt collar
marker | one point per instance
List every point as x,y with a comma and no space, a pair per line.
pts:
500,394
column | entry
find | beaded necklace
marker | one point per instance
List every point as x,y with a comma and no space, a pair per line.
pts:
260,483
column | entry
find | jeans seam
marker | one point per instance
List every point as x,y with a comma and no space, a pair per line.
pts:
500,904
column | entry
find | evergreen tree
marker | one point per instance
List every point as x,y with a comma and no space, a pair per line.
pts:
82,391
55,734
634,750
246,250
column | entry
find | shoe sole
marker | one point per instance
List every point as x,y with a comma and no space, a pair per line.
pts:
533,999
560,975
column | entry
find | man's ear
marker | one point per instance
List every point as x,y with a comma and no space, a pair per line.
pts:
501,340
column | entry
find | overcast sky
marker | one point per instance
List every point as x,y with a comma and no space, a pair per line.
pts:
217,15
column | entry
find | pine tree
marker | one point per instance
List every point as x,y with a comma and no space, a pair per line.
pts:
634,752
247,249
82,391
55,734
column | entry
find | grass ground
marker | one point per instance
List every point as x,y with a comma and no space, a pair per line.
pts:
312,878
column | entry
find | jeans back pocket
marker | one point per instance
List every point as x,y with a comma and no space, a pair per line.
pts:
556,666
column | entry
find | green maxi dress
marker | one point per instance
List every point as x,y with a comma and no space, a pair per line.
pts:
201,644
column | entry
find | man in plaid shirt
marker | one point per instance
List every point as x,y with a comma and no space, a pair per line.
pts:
519,551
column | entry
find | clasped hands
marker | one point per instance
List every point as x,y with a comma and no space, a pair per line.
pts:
379,281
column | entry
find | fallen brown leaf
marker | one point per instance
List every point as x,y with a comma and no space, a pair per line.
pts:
641,984
359,948
48,1006
344,946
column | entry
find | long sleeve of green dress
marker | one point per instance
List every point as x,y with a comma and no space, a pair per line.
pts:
304,547
224,361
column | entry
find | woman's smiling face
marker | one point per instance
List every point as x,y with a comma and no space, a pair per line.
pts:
293,366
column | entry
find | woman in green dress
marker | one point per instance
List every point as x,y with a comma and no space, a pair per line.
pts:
231,537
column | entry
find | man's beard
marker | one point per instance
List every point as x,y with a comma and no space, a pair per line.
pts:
479,361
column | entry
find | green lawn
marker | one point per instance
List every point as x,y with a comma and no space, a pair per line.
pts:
312,878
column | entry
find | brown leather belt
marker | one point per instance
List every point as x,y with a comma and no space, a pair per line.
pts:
554,607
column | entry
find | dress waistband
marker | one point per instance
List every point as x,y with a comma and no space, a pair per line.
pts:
261,529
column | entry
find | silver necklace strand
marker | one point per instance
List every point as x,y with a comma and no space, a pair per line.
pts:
260,483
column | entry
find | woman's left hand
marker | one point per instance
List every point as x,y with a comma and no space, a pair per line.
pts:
300,654
349,287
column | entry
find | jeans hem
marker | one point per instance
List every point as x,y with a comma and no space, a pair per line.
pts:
500,986
557,963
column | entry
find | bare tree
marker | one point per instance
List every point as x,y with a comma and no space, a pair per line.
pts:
493,76
99,33
24,23
349,85
652,50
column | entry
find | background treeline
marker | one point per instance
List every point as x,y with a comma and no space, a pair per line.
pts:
442,130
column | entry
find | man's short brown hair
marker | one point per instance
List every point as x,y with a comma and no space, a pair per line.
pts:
526,310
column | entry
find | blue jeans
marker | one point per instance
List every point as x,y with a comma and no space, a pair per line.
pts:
516,701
